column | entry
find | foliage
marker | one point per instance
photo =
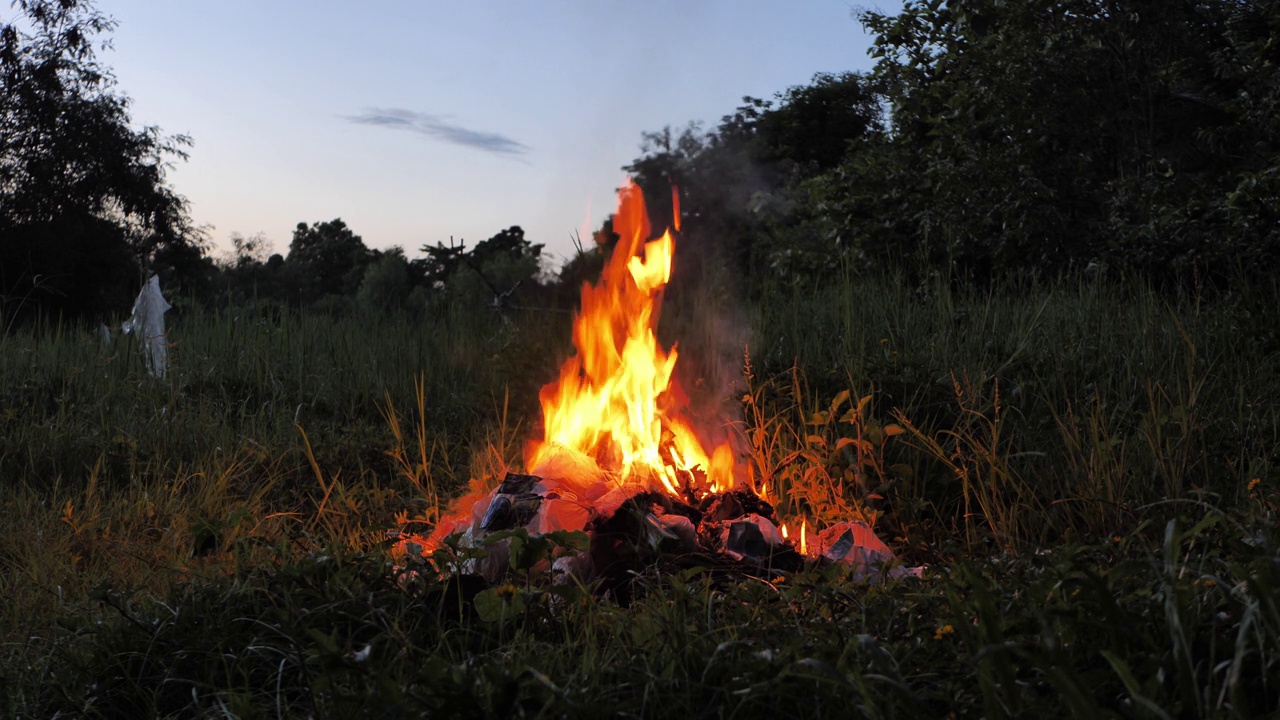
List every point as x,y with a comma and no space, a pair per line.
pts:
1085,464
83,204
385,287
498,272
246,251
822,465
179,535
998,139
741,190
1046,135
330,258
1134,628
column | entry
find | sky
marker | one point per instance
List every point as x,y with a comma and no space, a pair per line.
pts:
417,121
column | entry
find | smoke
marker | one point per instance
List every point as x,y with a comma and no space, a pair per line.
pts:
704,316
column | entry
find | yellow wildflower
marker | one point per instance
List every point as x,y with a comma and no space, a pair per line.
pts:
942,632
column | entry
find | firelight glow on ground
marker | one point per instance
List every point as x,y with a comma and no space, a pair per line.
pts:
414,122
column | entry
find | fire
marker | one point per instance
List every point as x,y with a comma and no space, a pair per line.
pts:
616,401
615,425
804,531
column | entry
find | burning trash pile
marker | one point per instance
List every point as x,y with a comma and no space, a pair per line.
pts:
620,460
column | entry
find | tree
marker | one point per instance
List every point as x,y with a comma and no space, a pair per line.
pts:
246,251
385,286
250,271
83,202
506,264
440,263
1042,135
330,257
511,244
995,138
813,125
743,196
493,270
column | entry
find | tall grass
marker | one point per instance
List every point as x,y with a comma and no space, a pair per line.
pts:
211,542
266,433
240,381
1051,411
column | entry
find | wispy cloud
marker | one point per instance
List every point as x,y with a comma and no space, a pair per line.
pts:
437,127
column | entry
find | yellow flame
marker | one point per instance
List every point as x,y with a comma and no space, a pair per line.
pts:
615,399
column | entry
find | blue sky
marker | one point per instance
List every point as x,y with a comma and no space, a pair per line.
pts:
417,121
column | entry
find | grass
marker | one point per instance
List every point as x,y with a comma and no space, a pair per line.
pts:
1075,403
1085,469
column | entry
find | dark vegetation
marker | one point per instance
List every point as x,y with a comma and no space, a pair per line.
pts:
1026,265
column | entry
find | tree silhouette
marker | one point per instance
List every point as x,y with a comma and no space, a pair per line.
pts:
83,204
330,257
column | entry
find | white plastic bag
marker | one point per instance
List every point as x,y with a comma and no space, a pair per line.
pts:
148,321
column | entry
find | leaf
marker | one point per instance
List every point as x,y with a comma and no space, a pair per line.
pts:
527,552
841,398
893,429
816,440
499,603
501,535
875,435
818,418
1131,684
862,445
902,470
569,539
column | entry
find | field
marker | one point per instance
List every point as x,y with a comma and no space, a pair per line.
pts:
1085,469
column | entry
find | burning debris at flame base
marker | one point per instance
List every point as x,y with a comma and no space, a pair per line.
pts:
619,457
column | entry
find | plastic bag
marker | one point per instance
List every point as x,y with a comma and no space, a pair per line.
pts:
147,320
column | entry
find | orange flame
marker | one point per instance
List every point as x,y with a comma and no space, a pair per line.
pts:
615,401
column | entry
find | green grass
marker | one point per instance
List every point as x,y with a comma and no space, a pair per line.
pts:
1073,404
1085,469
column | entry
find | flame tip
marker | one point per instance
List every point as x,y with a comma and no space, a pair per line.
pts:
616,397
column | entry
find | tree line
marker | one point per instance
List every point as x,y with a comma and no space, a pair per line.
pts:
991,139
328,266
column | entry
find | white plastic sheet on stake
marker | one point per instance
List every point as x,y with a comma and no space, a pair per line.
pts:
148,321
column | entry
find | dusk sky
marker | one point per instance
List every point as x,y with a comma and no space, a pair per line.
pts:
417,121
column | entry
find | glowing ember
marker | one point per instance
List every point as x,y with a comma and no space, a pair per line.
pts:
803,545
615,399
